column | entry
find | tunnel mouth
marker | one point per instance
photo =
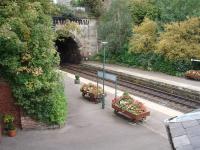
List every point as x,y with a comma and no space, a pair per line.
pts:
68,50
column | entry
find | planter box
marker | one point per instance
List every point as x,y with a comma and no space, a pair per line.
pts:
76,81
91,97
129,115
193,74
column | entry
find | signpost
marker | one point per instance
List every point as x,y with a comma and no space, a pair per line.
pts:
103,75
106,76
104,59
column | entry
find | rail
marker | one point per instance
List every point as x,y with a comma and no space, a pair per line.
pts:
151,92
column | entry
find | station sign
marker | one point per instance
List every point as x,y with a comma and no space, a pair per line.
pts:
107,76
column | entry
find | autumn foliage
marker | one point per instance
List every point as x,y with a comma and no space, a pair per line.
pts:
180,40
144,37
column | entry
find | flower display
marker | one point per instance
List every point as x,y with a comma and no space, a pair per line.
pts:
127,103
193,74
92,90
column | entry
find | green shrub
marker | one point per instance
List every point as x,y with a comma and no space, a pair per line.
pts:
144,37
95,6
115,26
68,30
154,62
139,9
177,10
77,3
9,122
28,59
180,40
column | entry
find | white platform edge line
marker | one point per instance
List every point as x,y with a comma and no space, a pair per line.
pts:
149,104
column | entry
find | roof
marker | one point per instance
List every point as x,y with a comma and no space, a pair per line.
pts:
184,131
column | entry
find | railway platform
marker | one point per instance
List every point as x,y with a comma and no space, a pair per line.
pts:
89,127
183,131
150,75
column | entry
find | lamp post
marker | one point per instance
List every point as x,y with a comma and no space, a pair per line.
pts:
104,58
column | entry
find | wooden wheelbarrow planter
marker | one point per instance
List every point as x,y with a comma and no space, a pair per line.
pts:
91,97
129,115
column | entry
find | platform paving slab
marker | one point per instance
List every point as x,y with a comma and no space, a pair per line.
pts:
91,128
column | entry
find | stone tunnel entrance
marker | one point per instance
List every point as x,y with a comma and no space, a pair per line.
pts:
69,50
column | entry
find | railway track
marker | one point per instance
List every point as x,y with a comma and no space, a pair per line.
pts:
126,83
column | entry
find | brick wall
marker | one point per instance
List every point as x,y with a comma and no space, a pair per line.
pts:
7,106
7,103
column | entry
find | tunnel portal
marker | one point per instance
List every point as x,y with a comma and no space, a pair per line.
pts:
68,50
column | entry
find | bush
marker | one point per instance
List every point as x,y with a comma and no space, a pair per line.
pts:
9,122
139,9
95,6
154,62
181,40
144,37
28,59
77,3
68,30
177,10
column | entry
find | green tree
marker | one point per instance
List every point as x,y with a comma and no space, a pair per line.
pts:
63,10
77,2
115,26
140,9
95,6
177,10
28,58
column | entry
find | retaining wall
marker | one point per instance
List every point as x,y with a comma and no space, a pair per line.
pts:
7,103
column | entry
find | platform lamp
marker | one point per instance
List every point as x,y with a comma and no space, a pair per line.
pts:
104,58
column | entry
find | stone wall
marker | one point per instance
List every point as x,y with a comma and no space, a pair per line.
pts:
87,39
7,103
